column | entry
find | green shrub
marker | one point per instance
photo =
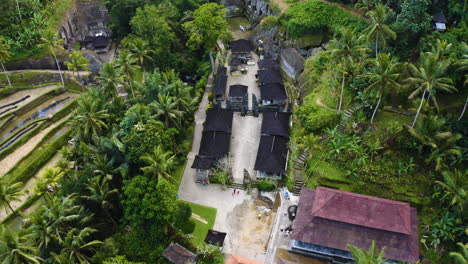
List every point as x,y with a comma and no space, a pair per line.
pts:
187,227
184,211
314,117
315,16
269,21
221,178
266,185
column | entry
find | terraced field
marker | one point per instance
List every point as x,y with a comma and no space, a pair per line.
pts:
33,127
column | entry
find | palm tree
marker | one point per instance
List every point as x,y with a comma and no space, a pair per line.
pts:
429,77
126,63
383,78
74,245
9,192
77,62
110,79
59,216
463,66
89,118
5,55
166,107
16,247
345,47
48,178
462,256
159,163
378,30
455,184
430,133
19,11
141,52
365,6
101,194
51,42
363,257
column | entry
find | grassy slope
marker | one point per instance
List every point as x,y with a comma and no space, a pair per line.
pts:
201,229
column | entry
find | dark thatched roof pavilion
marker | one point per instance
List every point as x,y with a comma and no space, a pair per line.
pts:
273,91
241,46
272,155
275,124
219,120
237,90
269,76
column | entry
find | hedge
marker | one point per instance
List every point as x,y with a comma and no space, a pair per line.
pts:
38,157
315,16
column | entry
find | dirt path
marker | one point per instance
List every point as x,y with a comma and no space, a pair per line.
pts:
10,161
27,188
319,102
50,71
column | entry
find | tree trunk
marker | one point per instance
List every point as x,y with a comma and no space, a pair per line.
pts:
131,87
11,208
6,74
375,110
419,108
58,67
376,46
463,111
19,11
341,93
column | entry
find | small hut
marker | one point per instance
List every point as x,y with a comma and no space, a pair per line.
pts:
215,238
439,22
241,48
272,157
101,44
269,76
177,254
268,63
273,94
291,62
237,92
220,84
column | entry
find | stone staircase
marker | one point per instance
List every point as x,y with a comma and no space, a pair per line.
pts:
237,186
346,116
298,187
299,163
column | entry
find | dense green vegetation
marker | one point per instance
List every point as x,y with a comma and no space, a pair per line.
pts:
112,196
314,16
404,136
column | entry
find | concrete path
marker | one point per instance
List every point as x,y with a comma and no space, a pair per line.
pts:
245,130
244,144
279,239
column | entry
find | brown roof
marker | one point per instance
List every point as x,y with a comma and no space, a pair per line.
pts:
334,219
362,210
177,254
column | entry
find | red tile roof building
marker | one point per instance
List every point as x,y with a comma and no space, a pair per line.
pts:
328,220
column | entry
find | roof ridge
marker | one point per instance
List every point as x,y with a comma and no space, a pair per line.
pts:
326,203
